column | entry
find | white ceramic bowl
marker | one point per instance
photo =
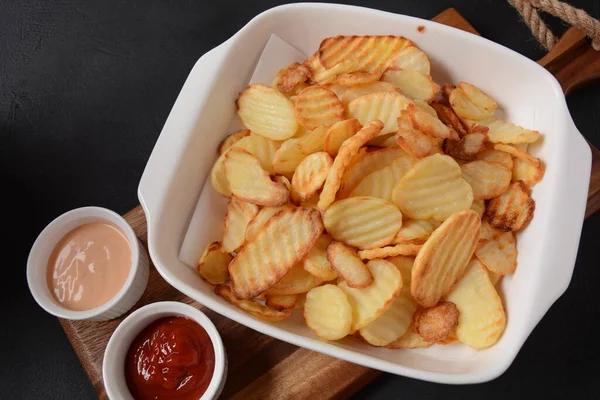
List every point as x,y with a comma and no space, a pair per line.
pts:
132,289
174,179
113,366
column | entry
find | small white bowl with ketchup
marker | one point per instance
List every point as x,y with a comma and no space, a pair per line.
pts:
87,264
165,350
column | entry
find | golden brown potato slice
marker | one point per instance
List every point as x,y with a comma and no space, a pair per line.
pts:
433,188
284,240
372,52
338,133
487,179
482,319
383,106
513,209
281,302
404,249
239,215
348,265
316,106
263,216
292,77
469,102
348,150
414,84
310,176
363,222
267,112
250,182
444,257
372,301
497,250
411,58
213,264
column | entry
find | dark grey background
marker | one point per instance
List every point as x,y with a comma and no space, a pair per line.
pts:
85,88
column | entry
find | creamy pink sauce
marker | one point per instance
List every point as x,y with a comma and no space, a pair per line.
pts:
88,266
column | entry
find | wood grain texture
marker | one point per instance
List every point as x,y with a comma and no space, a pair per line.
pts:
261,367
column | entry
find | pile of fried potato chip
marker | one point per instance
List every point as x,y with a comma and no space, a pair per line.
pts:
370,198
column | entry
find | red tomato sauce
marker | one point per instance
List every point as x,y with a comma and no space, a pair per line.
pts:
171,359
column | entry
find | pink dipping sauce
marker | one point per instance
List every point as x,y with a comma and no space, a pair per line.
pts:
89,266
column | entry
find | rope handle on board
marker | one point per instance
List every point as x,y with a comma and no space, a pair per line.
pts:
574,16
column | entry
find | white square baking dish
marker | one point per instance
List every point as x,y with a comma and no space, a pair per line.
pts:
175,176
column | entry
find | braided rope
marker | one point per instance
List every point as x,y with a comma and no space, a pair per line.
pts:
540,30
566,12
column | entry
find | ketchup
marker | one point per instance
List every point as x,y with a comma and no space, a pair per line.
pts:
171,359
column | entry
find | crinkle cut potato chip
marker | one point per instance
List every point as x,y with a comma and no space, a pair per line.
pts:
365,163
413,141
355,92
413,84
348,150
498,252
492,155
263,216
487,179
527,168
316,261
513,209
381,183
281,302
316,106
239,215
363,222
411,58
444,257
482,318
267,112
296,281
313,141
338,133
232,139
449,117
423,121
435,324
288,157
468,147
262,148
310,176
404,249
252,307
469,102
372,301
348,266
396,321
433,188
500,131
213,264
250,182
284,240
291,77
321,75
328,312
383,106
372,52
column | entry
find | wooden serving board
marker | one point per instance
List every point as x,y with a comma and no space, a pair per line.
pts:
261,367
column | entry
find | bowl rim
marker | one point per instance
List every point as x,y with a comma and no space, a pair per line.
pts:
140,319
46,235
371,361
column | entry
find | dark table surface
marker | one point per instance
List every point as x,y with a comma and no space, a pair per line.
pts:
85,88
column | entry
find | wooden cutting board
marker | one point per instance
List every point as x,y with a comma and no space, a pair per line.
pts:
261,367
